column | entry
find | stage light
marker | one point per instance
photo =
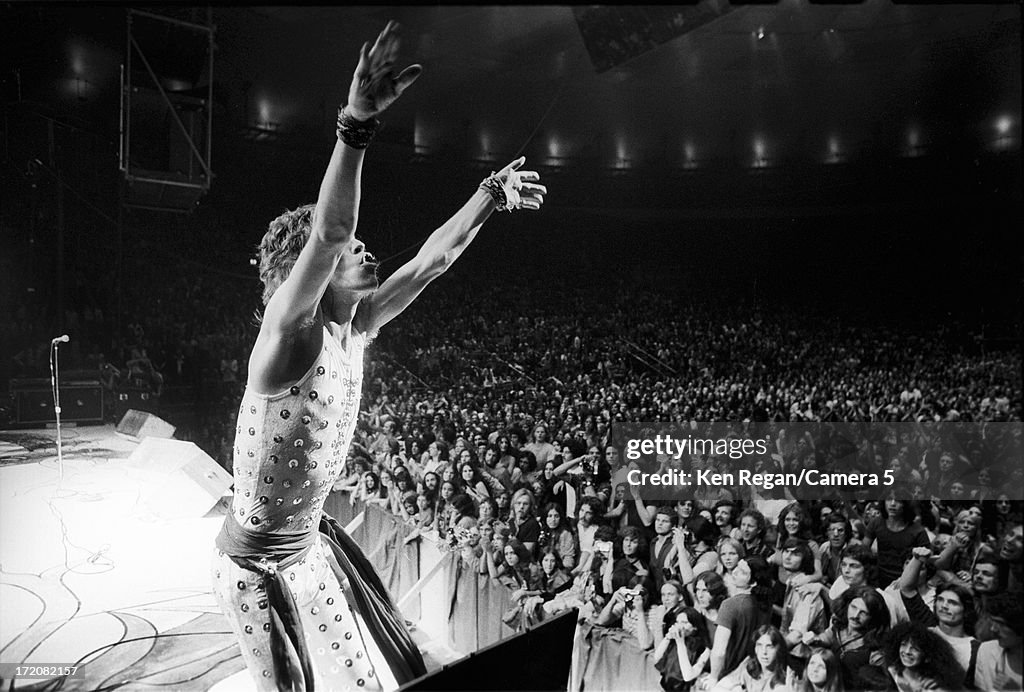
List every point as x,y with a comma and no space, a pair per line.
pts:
77,60
1004,138
554,148
914,145
835,154
689,156
760,33
622,159
760,151
485,145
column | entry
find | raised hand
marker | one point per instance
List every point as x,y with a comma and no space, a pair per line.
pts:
375,86
521,187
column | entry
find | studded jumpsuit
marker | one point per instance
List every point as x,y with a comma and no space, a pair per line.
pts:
289,449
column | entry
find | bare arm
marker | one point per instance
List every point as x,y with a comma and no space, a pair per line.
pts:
718,649
445,245
290,334
912,571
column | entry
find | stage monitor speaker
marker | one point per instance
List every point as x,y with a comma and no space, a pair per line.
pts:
178,479
537,659
140,424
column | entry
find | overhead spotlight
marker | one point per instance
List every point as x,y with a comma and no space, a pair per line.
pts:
834,150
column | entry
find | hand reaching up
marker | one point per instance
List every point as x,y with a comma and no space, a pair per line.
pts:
375,86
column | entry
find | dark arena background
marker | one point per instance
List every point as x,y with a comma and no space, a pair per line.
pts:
791,214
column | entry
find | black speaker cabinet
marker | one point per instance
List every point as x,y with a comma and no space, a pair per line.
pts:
81,401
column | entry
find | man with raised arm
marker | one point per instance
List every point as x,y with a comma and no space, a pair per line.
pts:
306,605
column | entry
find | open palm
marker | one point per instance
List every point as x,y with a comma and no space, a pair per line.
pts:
374,84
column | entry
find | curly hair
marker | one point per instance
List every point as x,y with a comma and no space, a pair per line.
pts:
280,247
635,534
804,532
938,661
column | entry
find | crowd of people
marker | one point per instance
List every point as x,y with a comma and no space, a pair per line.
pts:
487,423
916,588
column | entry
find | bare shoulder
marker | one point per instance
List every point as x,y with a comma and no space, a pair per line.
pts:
279,359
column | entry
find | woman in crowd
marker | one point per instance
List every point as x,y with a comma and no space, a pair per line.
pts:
556,536
683,652
444,511
552,581
371,492
967,545
766,670
472,482
795,522
730,552
822,673
521,576
917,659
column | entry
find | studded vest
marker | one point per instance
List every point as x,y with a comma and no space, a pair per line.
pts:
290,447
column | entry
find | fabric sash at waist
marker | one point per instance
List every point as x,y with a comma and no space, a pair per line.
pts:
239,542
269,553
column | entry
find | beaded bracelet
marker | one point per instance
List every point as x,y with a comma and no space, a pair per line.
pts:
356,133
492,186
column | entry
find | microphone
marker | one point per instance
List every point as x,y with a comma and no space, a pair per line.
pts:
62,339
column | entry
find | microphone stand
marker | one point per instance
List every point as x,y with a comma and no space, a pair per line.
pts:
55,384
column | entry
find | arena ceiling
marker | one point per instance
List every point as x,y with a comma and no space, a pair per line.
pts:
748,83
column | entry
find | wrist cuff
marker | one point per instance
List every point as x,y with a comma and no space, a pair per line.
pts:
356,133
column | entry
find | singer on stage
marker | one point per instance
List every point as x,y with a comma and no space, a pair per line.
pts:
307,607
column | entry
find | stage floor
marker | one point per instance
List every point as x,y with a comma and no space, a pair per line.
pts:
91,576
